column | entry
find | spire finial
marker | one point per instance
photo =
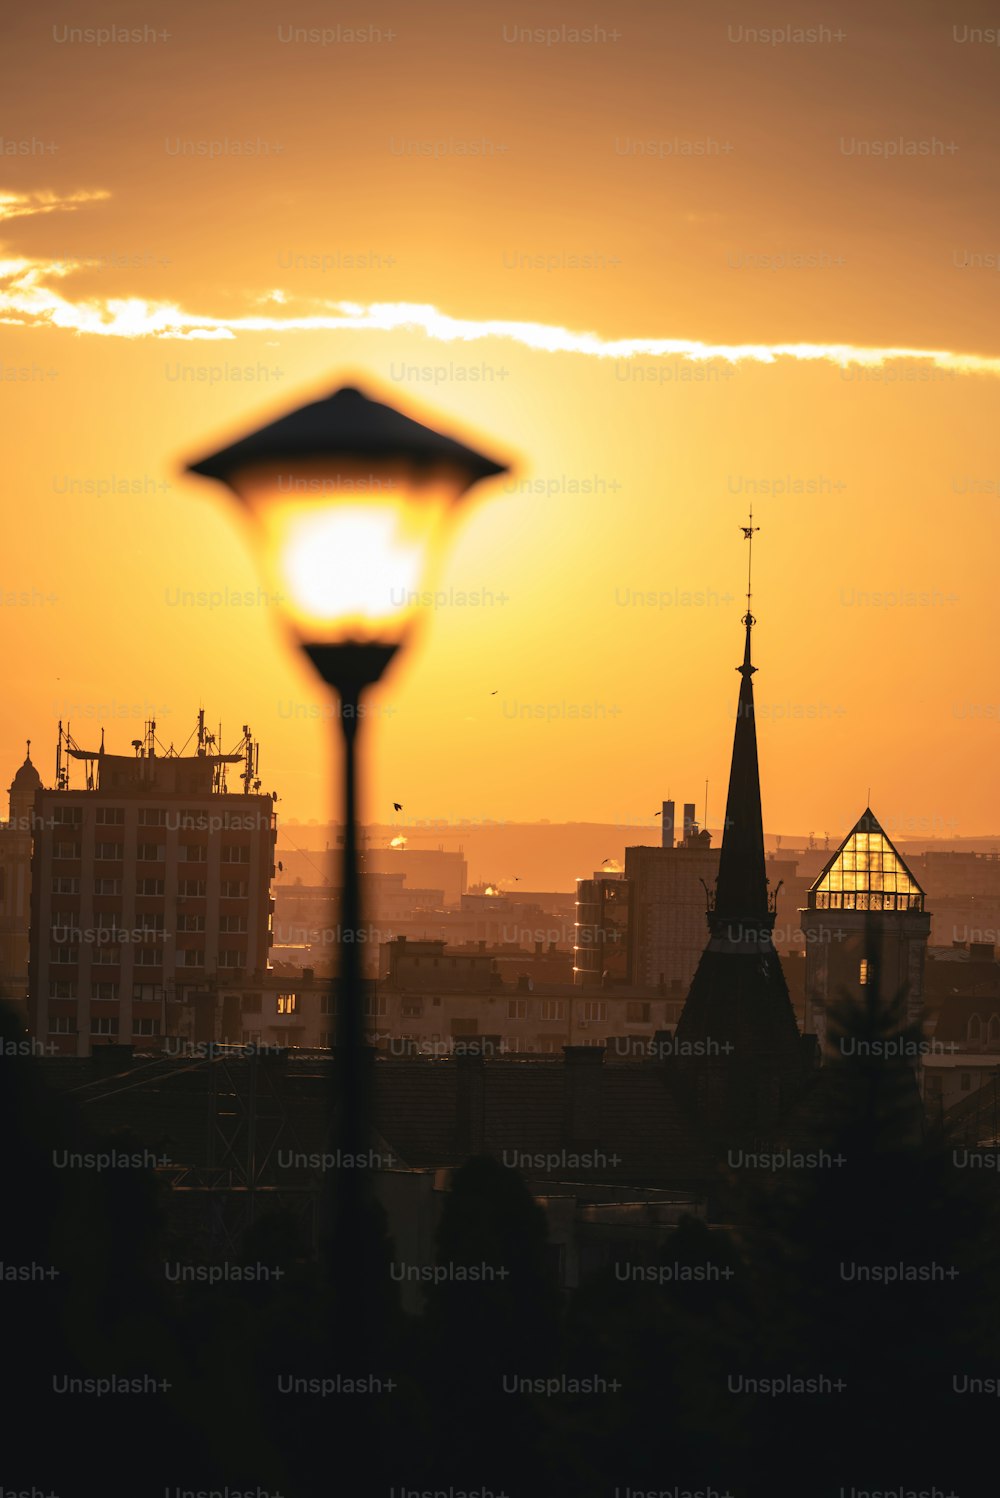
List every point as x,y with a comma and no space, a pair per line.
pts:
748,618
748,535
28,742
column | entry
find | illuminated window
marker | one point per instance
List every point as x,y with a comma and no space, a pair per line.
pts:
287,1003
863,972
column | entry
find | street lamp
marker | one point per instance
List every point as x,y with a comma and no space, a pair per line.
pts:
351,502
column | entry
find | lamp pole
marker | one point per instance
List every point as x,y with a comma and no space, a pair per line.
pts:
349,670
350,498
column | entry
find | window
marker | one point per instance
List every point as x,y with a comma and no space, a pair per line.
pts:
108,850
152,887
149,957
62,1024
66,850
552,1009
103,1026
147,993
152,816
145,1027
375,1007
328,1039
517,1009
993,1033
62,988
150,920
233,889
975,1029
67,816
232,923
863,972
105,993
286,1003
64,885
411,1008
107,887
110,816
106,957
235,958
327,1004
151,852
192,888
249,1037
65,954
637,1012
193,957
193,853
250,1003
190,923
593,1009
235,854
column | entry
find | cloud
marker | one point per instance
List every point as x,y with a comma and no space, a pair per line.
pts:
33,294
30,204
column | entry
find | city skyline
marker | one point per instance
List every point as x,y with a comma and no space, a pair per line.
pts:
777,317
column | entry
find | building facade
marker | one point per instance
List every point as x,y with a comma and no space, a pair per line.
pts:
150,897
15,885
865,926
600,947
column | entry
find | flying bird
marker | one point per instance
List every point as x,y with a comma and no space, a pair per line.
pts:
396,806
657,813
493,694
281,867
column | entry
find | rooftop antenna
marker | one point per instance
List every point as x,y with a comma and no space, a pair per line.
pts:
705,821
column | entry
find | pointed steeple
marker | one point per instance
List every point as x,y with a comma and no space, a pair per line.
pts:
738,996
741,891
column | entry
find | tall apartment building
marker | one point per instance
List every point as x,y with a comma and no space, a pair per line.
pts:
668,903
150,896
15,885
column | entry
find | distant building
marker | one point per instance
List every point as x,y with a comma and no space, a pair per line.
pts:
15,885
667,906
865,925
150,898
600,948
439,1000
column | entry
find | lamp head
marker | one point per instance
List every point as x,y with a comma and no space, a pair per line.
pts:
351,500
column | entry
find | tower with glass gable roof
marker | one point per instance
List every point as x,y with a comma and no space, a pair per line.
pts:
864,924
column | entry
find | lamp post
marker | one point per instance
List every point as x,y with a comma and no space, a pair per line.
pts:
351,502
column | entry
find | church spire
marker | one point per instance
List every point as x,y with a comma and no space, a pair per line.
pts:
741,891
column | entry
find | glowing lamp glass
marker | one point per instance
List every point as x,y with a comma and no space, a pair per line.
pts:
351,554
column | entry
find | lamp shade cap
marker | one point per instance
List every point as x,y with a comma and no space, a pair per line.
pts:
350,424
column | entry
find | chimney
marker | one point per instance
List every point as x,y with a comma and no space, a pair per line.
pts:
583,1088
689,822
667,833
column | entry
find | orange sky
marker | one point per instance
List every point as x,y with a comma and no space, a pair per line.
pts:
154,302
